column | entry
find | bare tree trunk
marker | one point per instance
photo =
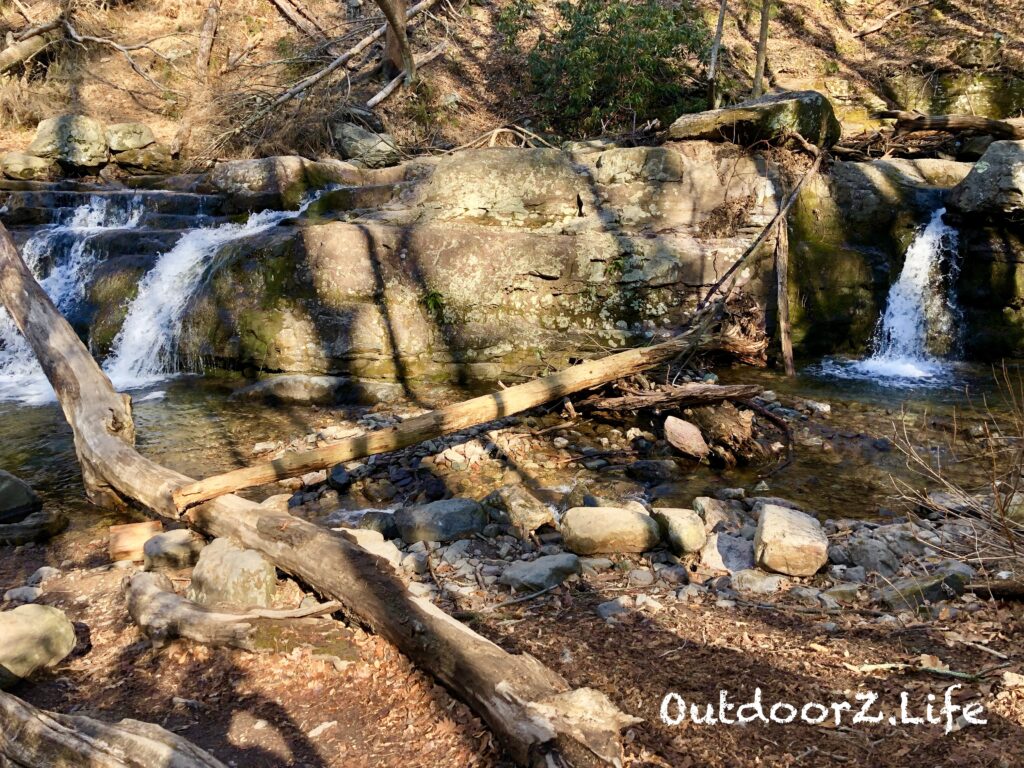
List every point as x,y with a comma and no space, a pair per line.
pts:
530,708
762,48
782,283
716,45
206,35
397,51
34,738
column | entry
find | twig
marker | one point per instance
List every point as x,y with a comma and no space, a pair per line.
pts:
513,601
864,31
81,39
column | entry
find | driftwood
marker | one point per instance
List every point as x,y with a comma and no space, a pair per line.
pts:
909,122
867,30
15,55
206,35
391,87
531,709
163,615
35,738
678,396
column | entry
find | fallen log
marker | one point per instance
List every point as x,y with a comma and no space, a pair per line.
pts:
910,122
421,61
531,709
19,53
867,30
998,590
677,396
35,738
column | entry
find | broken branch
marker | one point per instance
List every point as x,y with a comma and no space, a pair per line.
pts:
910,122
391,87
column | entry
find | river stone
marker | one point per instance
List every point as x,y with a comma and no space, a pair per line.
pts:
790,542
995,186
73,139
444,521
719,514
338,478
598,530
125,136
17,499
753,581
18,165
278,182
374,543
38,526
685,438
913,592
171,549
23,594
516,507
872,555
228,576
725,552
154,158
42,575
34,636
682,528
364,148
542,573
653,471
770,117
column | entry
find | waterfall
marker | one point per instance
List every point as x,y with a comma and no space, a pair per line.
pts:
145,350
920,318
62,259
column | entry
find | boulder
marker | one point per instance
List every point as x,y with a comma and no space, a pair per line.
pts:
142,161
380,520
278,182
995,186
682,528
17,499
34,636
542,573
770,117
514,506
230,577
725,552
124,136
18,165
753,581
72,139
719,514
597,530
685,438
913,592
446,520
789,541
172,549
38,526
872,555
365,148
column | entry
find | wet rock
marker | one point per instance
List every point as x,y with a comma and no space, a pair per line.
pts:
34,637
514,506
17,499
653,471
228,576
790,542
339,478
872,555
364,148
278,182
444,521
25,167
597,530
23,594
753,581
43,575
125,136
615,608
995,185
725,552
913,592
72,139
730,494
685,438
172,549
374,543
682,529
542,573
766,118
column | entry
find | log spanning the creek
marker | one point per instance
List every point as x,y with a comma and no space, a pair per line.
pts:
533,711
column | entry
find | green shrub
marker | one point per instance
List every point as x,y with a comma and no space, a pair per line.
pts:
614,63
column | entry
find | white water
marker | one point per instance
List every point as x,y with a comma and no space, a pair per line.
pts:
919,307
21,378
146,348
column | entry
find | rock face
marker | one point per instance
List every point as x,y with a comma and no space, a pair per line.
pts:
231,577
24,167
445,520
542,573
515,506
125,136
995,186
72,139
34,637
172,549
278,182
768,117
17,499
790,542
599,530
365,148
682,528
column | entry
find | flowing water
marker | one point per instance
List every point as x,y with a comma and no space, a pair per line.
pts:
920,317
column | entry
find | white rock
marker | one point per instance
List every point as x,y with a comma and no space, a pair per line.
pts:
596,530
790,542
682,528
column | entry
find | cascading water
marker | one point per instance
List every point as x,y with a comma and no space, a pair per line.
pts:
61,258
146,348
920,316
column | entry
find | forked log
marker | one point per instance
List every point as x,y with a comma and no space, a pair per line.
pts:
531,709
909,122
35,738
